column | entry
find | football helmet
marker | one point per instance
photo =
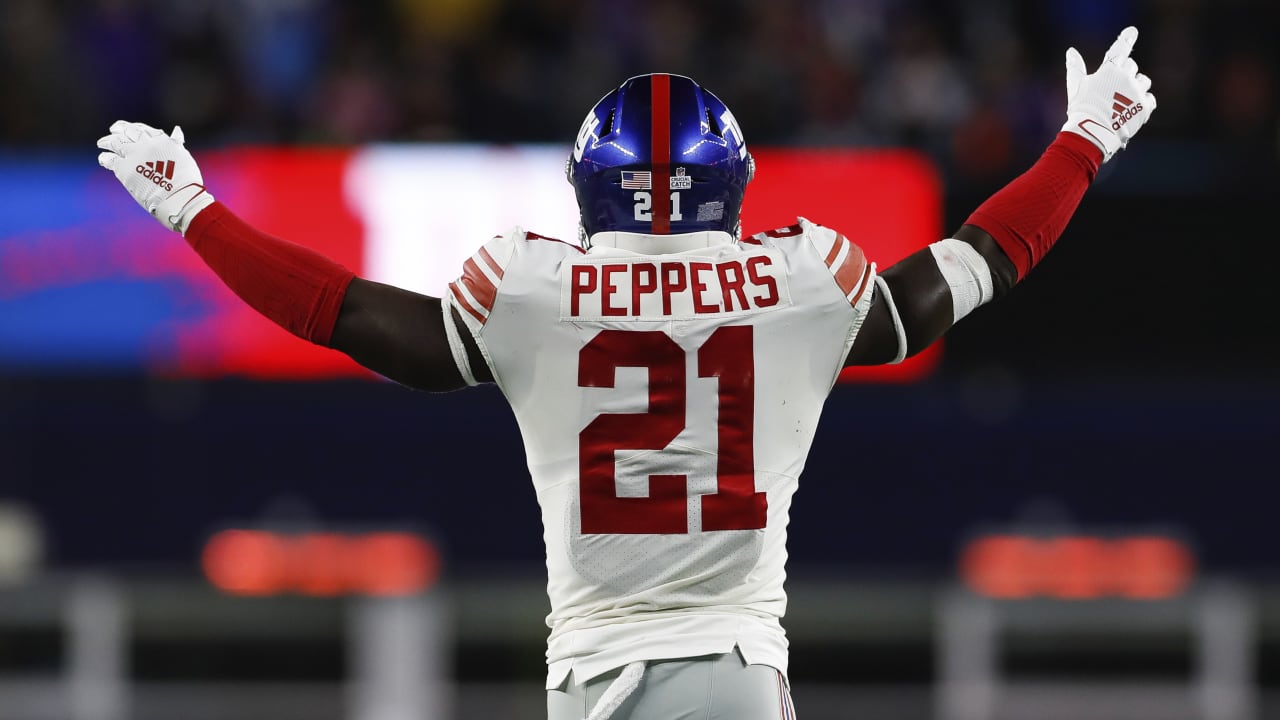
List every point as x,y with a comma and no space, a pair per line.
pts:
660,155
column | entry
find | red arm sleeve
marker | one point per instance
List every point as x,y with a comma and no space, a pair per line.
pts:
297,288
1027,215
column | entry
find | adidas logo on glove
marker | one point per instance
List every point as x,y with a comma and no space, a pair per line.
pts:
160,171
1124,110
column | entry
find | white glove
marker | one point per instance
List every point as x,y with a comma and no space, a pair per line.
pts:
157,171
1109,106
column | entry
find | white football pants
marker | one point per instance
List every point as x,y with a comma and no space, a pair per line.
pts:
713,687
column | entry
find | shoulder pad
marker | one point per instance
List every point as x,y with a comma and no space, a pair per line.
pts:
477,289
844,259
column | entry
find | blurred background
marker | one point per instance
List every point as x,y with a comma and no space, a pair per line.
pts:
1065,510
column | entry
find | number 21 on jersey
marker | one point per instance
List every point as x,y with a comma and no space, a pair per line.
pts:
727,356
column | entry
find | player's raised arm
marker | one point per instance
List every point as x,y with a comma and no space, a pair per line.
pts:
394,332
923,295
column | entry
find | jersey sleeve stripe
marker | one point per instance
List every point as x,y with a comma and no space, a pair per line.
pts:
456,348
856,294
460,296
841,250
493,264
834,254
479,285
852,269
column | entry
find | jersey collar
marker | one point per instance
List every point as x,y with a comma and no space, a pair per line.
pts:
660,244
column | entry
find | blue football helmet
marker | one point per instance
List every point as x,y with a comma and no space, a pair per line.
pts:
659,131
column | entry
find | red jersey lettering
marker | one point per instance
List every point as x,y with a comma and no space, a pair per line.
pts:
731,282
584,282
673,281
696,269
610,289
644,281
619,288
759,279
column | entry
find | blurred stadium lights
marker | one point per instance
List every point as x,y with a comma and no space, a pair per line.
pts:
155,307
1077,567
372,632
1050,658
21,543
262,562
1021,636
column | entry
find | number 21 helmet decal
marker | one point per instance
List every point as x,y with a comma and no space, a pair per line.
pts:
660,155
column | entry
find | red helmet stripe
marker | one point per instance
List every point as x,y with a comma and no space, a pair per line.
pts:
661,184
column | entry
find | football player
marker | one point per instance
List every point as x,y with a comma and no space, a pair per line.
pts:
667,374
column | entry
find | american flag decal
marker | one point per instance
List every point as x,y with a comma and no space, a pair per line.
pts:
637,180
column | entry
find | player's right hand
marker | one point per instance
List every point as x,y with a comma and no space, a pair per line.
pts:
1110,105
157,171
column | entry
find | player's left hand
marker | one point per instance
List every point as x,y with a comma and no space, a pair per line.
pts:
157,171
1108,106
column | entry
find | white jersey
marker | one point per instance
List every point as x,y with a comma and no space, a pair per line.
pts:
667,403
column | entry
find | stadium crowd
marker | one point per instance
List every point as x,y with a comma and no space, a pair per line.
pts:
976,83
